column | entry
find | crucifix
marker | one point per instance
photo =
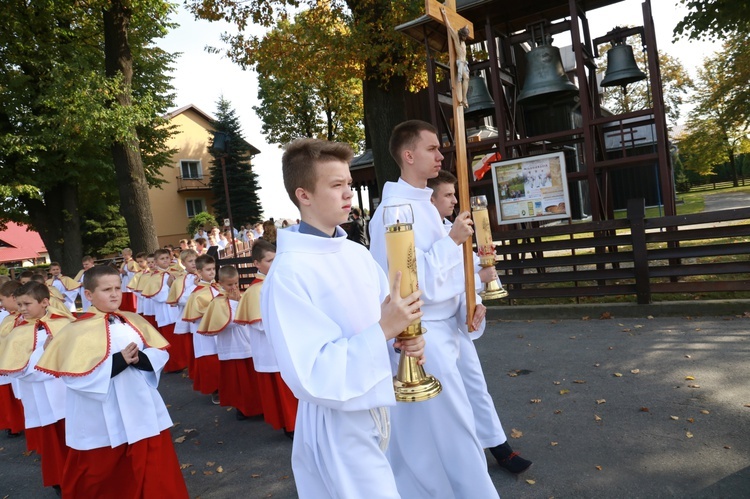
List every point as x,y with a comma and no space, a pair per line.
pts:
459,31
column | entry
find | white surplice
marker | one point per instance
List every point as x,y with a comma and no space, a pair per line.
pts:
320,306
435,451
106,412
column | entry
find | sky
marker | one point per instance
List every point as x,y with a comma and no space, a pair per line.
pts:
201,78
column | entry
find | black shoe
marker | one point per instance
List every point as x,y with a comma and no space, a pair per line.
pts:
10,434
58,490
239,416
289,434
509,460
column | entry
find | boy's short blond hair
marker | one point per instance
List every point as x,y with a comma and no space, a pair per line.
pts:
187,253
298,164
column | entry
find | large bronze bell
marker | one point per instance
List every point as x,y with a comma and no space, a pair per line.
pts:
479,98
621,67
545,76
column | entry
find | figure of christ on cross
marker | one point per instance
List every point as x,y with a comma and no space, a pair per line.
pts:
462,64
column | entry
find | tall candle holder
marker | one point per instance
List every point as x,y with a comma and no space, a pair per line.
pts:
411,383
485,249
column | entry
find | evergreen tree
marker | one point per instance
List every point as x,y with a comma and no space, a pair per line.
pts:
242,181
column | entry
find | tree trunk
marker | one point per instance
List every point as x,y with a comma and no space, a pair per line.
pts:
384,103
131,177
733,167
59,224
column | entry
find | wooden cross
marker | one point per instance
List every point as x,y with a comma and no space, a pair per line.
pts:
443,13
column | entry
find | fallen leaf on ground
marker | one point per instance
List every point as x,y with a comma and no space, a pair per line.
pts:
579,381
617,375
644,409
638,326
704,411
690,420
210,463
27,453
675,418
610,348
688,434
558,411
599,468
554,321
516,433
597,364
179,440
600,401
536,401
727,447
687,357
189,430
597,418
585,318
572,338
564,392
530,482
555,382
694,386
746,405
626,330
689,378
254,475
635,371
208,472
219,470
193,472
185,466
649,317
553,444
621,325
512,375
697,329
605,315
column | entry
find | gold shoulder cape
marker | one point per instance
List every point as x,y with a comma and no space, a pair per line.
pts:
57,306
78,276
17,346
9,322
248,310
54,292
68,283
153,284
135,281
218,316
84,344
198,302
178,288
132,266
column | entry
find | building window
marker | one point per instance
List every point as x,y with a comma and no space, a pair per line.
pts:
194,206
191,169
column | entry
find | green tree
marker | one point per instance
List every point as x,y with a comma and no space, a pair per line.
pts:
714,18
200,221
714,133
241,180
676,84
391,63
311,94
57,121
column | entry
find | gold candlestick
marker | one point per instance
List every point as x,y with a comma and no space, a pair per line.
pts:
485,249
411,383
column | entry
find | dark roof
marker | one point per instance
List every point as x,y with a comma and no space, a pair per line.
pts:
510,15
364,160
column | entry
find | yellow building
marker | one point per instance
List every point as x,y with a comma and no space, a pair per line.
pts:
186,190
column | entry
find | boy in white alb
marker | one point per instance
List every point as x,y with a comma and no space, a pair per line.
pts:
87,262
184,283
489,429
279,403
42,395
238,381
330,335
117,424
206,375
64,284
438,454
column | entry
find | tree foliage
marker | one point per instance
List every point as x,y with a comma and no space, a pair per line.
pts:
390,63
715,132
200,221
714,18
676,83
311,94
241,180
57,121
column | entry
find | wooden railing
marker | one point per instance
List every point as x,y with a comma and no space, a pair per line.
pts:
632,256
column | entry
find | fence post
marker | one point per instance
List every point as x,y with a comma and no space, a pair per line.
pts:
636,216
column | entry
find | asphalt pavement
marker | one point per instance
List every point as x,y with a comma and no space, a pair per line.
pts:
606,408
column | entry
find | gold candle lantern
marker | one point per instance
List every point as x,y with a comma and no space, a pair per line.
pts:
485,248
411,383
